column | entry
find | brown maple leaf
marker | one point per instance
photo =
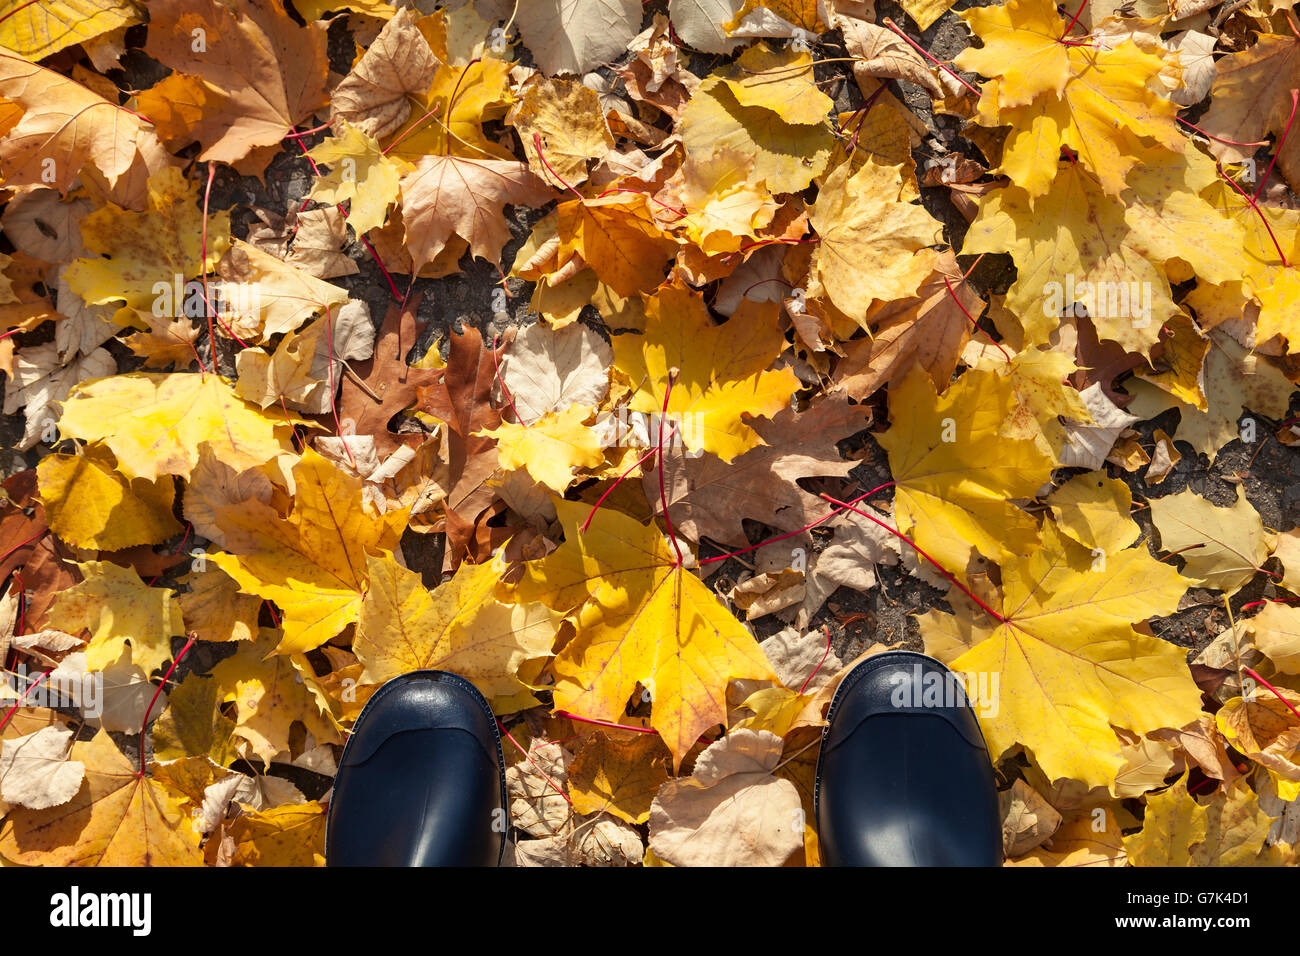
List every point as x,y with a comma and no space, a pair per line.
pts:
462,399
16,526
448,195
390,385
709,498
69,130
30,552
928,329
246,74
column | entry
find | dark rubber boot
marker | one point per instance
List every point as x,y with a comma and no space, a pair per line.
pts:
904,777
422,779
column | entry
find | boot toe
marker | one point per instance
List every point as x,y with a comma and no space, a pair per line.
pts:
421,781
904,777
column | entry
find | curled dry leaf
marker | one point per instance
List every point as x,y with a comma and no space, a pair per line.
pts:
731,811
35,771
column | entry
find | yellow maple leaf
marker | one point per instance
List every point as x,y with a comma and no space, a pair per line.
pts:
955,473
117,607
926,12
215,609
619,237
788,153
461,99
779,81
724,371
803,14
618,776
1264,727
288,835
869,238
570,122
247,70
1038,380
312,564
1093,510
59,135
1077,245
1222,547
154,423
1071,666
1096,100
316,9
1277,626
640,618
1236,827
37,30
780,710
551,447
271,690
1020,41
360,172
1174,823
725,207
118,818
1276,309
1081,840
458,626
151,253
193,725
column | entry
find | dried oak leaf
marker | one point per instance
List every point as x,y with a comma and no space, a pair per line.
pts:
389,385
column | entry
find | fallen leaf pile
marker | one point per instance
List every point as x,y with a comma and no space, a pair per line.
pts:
625,359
